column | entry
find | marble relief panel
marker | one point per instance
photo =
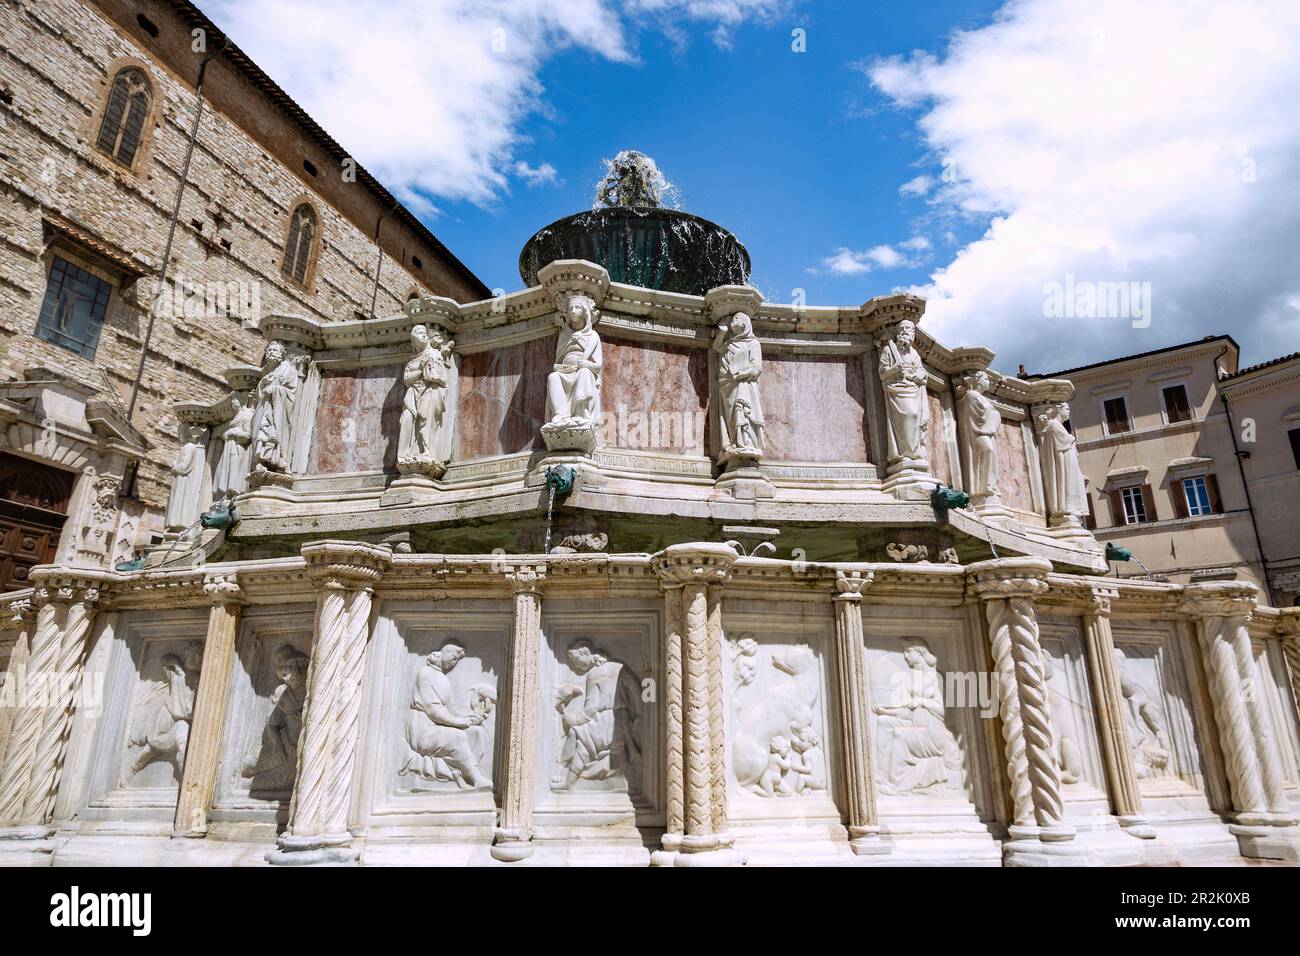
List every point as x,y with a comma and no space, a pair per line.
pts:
814,408
357,417
259,751
434,676
1157,708
1275,690
599,722
1069,698
781,748
502,400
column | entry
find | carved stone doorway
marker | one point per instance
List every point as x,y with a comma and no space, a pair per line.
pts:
33,508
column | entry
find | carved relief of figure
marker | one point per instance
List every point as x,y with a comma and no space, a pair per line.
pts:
740,363
1062,478
600,719
919,754
277,394
183,504
231,476
573,385
1068,757
447,743
277,762
1145,727
907,403
428,378
981,421
776,751
166,710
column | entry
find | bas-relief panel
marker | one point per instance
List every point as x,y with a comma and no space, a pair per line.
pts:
1280,706
1156,702
941,465
143,733
1069,699
814,408
599,721
434,675
357,418
265,713
502,400
655,397
1013,467
779,706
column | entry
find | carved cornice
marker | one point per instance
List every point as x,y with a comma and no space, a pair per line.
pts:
526,578
726,300
696,563
1004,578
347,564
223,589
886,310
565,277
71,586
1288,622
1219,599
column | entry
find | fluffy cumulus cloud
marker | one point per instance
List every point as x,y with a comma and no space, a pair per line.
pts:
432,96
1098,142
850,262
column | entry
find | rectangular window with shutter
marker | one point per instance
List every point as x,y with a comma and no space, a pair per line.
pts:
1177,407
1135,508
1197,495
1117,420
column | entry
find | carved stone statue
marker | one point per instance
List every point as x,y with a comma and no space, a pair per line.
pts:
1145,727
1062,478
600,719
981,421
231,476
183,504
447,742
919,754
740,363
777,750
277,762
573,386
907,403
166,709
428,378
277,394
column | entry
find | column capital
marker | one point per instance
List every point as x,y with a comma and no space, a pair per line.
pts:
223,589
849,585
1097,598
695,563
1219,599
1288,622
1009,578
526,578
348,564
18,614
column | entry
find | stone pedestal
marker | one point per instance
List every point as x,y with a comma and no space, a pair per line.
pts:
344,573
512,841
203,750
696,834
1039,834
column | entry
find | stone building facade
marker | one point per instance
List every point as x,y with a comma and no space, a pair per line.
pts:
1194,463
97,108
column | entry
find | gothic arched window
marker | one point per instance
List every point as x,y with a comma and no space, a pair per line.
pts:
125,116
297,250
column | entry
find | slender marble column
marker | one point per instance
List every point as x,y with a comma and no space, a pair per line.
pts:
513,840
1288,629
1108,702
855,727
1007,586
692,576
344,573
18,618
211,702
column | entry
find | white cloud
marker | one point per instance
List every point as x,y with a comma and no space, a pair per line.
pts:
535,176
847,262
917,186
431,96
1113,141
916,244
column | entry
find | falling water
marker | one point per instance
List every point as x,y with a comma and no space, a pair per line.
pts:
988,531
550,509
1145,569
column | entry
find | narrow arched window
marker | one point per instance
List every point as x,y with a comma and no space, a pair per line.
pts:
125,116
297,251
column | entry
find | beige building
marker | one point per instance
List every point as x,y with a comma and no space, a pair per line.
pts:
1194,463
101,127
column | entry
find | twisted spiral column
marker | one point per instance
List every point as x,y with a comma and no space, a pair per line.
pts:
19,756
676,799
1288,629
855,727
344,573
514,834
1008,587
19,617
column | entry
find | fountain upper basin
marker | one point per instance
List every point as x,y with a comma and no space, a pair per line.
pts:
646,246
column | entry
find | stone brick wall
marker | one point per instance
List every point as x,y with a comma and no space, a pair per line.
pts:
57,59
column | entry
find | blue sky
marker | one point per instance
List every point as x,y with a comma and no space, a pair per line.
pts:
981,154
